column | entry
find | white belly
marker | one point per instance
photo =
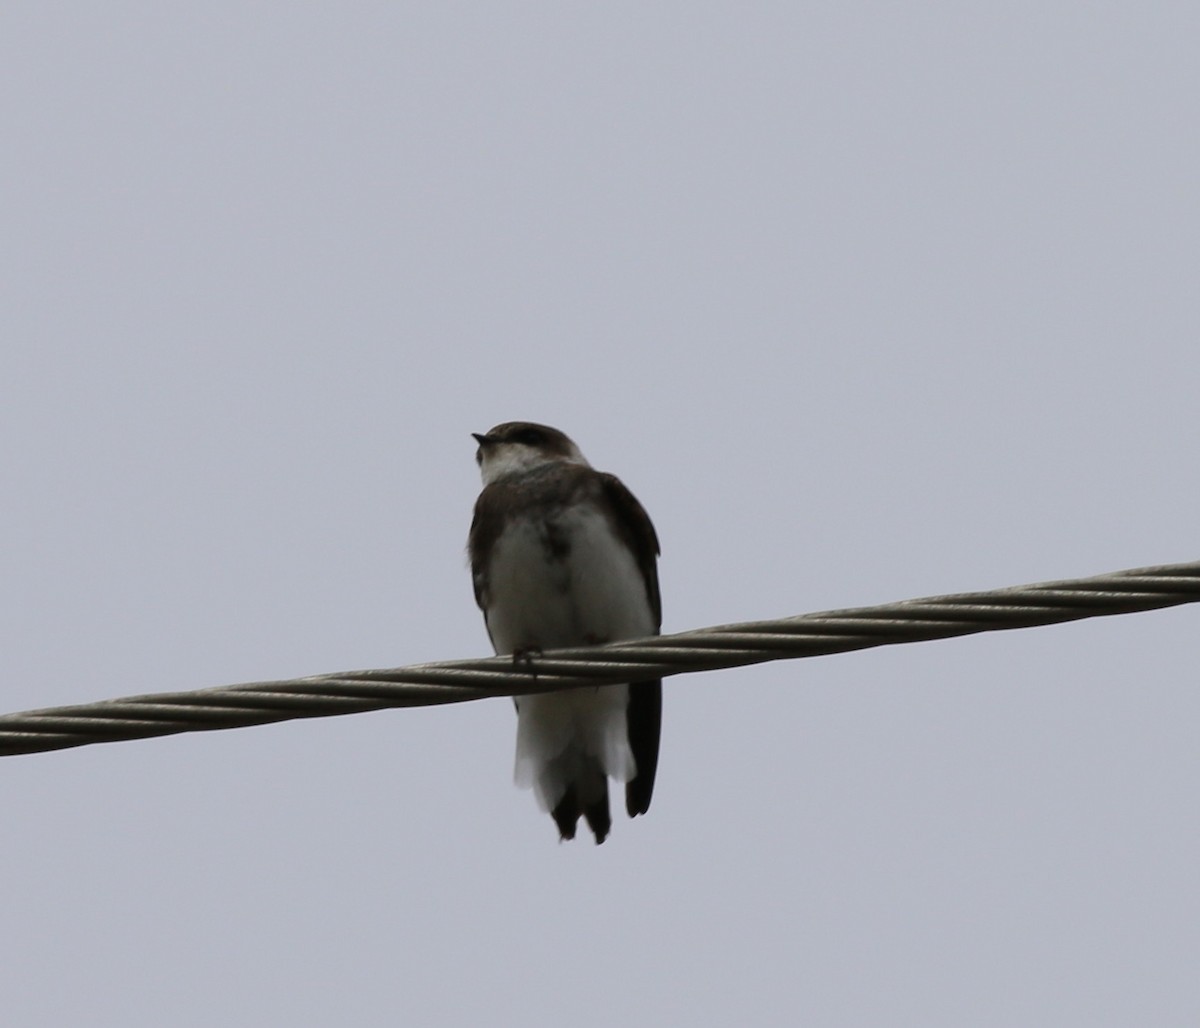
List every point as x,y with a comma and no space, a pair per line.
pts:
594,592
589,590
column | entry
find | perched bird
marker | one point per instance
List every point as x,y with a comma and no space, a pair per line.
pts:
563,555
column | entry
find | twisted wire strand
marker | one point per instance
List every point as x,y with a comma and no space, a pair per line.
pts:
707,649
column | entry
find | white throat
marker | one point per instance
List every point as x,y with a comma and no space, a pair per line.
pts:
503,459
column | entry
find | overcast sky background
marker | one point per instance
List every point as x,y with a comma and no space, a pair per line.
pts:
864,301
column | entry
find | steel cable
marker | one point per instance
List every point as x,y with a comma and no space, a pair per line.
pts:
708,649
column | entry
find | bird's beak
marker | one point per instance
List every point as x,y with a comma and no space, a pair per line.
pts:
482,440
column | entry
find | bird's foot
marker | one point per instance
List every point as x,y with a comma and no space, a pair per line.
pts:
522,657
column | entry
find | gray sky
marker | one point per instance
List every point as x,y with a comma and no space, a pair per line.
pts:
864,301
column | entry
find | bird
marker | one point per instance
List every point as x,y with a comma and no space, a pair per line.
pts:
564,555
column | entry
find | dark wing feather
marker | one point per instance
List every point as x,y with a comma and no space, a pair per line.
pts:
637,532
485,527
645,698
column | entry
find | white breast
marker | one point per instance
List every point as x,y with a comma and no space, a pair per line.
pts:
591,591
594,592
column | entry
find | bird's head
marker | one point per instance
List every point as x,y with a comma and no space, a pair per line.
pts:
517,446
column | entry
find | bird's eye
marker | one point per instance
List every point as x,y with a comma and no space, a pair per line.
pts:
530,436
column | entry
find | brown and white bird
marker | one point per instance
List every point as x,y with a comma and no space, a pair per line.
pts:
563,555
